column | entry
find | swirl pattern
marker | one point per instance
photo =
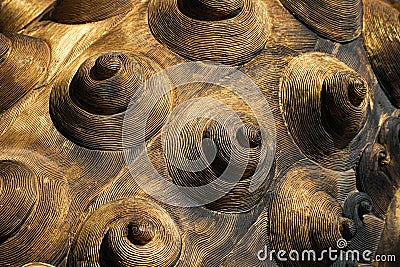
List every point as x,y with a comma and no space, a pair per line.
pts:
339,21
39,198
24,58
106,87
382,24
124,146
76,11
358,207
304,206
128,232
229,32
216,147
323,103
211,10
18,196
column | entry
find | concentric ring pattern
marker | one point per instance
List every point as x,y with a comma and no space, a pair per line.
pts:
127,232
229,32
323,102
90,110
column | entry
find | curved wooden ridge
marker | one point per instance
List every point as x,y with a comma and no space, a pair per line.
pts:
381,24
15,176
15,15
27,59
229,32
77,12
340,21
311,206
306,205
225,143
377,170
211,10
37,264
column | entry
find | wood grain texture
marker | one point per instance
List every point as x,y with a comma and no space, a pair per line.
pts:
74,184
86,114
381,24
324,103
340,21
80,12
16,15
26,59
231,39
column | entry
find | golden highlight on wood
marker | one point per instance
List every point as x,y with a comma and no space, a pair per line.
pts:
129,232
382,24
339,20
77,12
23,65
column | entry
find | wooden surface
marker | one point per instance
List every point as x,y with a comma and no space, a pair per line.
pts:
125,141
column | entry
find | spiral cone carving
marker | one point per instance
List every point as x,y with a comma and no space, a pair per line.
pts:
356,206
129,232
336,20
76,12
378,169
382,24
93,84
218,145
303,207
26,60
230,32
40,201
91,111
323,103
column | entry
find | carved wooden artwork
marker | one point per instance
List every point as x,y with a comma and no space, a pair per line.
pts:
198,132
